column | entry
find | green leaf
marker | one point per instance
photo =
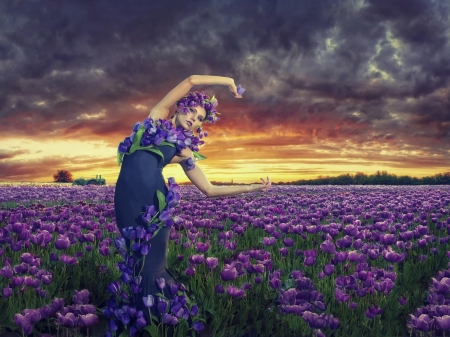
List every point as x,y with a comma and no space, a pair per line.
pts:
211,311
167,143
198,156
161,199
161,295
152,330
125,333
137,138
151,148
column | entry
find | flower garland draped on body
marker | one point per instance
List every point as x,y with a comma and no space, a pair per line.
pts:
135,246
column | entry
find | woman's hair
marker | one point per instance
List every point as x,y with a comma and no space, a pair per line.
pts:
193,99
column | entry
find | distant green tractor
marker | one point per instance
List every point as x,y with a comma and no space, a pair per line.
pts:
90,181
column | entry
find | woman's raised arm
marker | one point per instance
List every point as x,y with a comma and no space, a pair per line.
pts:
161,110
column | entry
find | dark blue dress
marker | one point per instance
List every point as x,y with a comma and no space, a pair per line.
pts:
139,178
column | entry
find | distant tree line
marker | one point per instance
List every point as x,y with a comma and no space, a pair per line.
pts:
379,178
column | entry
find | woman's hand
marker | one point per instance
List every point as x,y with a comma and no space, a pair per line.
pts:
264,187
233,89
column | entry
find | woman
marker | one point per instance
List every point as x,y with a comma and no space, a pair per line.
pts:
141,178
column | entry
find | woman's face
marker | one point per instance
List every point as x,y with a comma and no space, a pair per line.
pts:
192,120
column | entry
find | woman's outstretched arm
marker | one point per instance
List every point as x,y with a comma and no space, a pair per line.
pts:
198,178
161,110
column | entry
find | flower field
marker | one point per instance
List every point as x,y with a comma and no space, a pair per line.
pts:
294,261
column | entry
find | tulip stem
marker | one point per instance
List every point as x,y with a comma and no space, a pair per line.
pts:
143,260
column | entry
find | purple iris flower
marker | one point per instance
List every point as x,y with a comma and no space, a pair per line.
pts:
240,90
190,164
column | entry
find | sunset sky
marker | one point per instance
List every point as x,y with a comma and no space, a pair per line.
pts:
332,86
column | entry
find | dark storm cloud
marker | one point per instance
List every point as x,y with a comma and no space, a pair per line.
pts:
372,72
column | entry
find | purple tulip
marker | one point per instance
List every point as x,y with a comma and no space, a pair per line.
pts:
148,300
161,283
173,288
421,323
114,287
202,247
196,259
6,272
340,256
442,323
198,326
88,320
275,283
284,251
169,319
219,289
288,242
68,320
6,292
341,296
228,274
69,260
17,281
235,292
373,311
314,321
81,297
62,242
328,269
212,262
352,305
162,305
190,271
402,300
328,247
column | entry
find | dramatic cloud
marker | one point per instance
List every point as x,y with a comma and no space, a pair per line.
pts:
331,86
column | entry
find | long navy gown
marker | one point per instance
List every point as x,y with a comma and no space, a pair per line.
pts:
139,178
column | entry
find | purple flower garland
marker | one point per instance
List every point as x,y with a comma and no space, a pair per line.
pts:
118,307
149,134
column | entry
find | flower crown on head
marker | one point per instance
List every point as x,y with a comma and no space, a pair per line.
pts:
194,99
